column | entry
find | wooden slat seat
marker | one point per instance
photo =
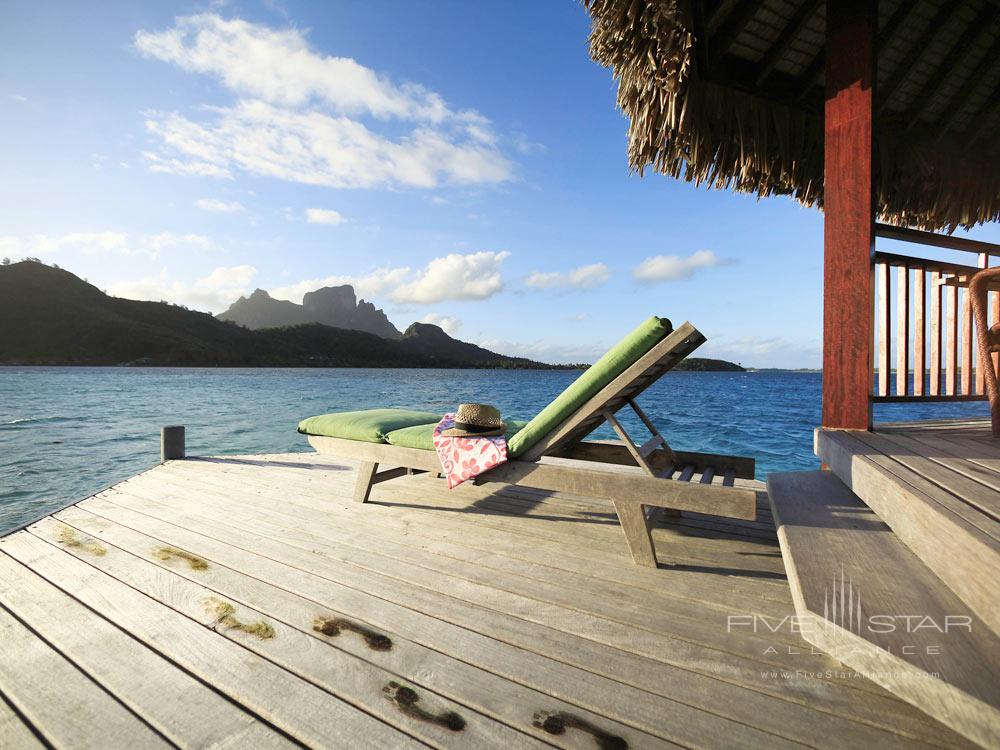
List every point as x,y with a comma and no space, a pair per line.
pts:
864,598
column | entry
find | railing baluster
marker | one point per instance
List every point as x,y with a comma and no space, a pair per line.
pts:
935,383
951,348
902,329
984,262
994,320
966,379
883,329
919,332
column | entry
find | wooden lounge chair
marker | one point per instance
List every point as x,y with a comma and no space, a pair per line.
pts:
641,481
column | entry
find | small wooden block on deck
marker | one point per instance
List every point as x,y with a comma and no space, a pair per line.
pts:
864,598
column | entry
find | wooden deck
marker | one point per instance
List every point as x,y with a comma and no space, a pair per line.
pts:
247,602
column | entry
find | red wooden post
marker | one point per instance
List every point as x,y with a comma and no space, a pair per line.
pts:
849,222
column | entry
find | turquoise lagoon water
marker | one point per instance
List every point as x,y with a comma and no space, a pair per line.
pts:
67,432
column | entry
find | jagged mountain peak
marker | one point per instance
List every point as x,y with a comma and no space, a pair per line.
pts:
336,306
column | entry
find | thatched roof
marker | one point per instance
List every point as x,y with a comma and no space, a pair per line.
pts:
729,93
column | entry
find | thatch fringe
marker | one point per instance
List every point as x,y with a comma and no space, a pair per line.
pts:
709,134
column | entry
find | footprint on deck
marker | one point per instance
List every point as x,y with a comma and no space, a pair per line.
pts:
406,700
558,722
332,626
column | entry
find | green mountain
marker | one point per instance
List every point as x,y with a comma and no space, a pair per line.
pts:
50,316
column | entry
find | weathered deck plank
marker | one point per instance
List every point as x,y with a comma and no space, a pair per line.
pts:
517,610
393,657
60,701
122,665
234,522
14,732
305,712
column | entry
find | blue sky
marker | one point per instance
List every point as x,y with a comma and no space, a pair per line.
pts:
460,163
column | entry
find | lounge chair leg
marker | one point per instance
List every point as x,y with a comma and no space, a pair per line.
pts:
640,543
366,479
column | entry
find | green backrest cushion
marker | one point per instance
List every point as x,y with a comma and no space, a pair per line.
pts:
624,354
422,435
370,425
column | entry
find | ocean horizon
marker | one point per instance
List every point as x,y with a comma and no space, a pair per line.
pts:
66,432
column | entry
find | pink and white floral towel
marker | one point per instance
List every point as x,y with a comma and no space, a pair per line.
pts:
464,457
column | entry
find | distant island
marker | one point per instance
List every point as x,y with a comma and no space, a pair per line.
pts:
49,316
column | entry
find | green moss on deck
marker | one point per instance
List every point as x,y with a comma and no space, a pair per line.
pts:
67,536
194,562
226,614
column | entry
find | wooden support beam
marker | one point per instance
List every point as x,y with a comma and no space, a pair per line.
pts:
934,239
989,61
810,74
895,22
788,35
849,219
980,28
983,122
913,52
700,15
732,25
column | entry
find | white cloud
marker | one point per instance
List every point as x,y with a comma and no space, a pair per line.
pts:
452,277
584,277
102,243
672,267
154,244
449,325
196,168
318,149
455,277
368,286
18,98
298,115
277,66
324,216
214,292
217,206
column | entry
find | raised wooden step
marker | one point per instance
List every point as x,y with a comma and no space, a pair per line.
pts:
937,490
862,597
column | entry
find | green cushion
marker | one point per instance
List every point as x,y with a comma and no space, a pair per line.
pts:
624,354
422,435
371,425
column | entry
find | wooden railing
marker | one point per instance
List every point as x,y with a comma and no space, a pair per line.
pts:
923,319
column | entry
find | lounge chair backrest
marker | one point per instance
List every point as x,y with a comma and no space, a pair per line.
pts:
609,367
632,380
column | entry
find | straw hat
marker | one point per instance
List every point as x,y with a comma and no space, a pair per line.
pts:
476,420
